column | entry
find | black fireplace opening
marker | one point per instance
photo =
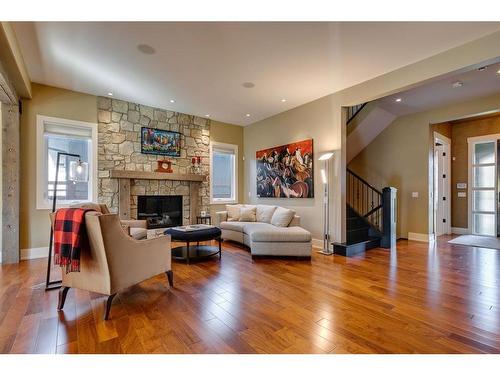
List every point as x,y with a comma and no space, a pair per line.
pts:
160,210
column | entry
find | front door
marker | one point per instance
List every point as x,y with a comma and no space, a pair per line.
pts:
484,184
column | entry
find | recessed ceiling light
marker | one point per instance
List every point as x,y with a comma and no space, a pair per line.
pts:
207,115
146,49
283,100
498,71
110,94
457,84
398,100
172,101
247,115
248,85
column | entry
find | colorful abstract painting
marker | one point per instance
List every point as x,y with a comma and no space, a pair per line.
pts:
160,142
286,171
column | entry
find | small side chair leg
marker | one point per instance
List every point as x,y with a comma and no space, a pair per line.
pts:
170,276
62,297
108,306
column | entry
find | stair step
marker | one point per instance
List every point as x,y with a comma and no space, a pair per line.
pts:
354,248
356,222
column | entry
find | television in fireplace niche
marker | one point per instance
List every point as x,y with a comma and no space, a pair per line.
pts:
160,142
160,211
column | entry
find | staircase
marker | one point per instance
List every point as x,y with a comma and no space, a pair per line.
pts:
368,215
364,123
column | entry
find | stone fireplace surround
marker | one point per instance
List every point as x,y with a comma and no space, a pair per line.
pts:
119,149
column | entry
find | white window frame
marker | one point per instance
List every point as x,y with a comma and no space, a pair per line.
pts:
234,149
41,161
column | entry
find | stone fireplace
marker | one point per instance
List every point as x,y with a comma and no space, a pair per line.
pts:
160,211
119,150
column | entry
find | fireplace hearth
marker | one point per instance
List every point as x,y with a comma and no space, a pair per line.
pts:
160,211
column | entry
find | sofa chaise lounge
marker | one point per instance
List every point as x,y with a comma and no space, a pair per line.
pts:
265,229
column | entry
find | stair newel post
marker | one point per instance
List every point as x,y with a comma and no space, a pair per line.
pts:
389,200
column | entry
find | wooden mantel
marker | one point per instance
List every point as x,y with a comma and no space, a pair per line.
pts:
124,178
141,175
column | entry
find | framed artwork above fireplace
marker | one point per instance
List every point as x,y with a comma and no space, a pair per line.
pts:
160,142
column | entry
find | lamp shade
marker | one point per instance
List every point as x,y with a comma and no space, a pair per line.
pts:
78,171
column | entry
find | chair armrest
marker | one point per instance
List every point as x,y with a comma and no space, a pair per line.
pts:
131,261
220,217
135,223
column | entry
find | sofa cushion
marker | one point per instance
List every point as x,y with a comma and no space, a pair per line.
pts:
271,233
138,233
282,217
247,214
265,213
237,226
233,212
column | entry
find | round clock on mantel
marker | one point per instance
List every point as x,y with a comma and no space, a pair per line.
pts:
164,166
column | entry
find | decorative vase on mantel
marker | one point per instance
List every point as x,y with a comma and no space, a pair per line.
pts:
196,164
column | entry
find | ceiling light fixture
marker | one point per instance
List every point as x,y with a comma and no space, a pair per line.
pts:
457,84
248,85
247,115
207,115
146,49
283,100
498,71
398,100
110,94
172,101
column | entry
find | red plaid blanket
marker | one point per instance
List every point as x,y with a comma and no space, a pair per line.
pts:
70,237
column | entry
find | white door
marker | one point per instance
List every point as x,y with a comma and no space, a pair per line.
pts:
442,187
483,187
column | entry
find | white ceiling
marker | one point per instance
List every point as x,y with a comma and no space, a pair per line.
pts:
440,92
203,65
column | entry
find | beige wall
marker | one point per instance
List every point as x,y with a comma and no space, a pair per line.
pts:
460,131
51,101
322,120
399,157
48,101
232,134
319,120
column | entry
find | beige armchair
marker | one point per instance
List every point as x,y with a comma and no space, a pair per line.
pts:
115,261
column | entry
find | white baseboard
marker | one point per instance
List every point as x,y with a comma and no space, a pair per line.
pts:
34,253
456,230
422,237
318,244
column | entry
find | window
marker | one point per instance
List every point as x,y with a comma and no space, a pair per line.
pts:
58,135
223,173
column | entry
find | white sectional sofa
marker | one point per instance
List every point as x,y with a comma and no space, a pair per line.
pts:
265,229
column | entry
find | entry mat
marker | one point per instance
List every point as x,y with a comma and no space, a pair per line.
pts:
477,241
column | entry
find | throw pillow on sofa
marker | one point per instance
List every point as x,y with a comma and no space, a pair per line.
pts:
282,217
265,213
247,214
233,212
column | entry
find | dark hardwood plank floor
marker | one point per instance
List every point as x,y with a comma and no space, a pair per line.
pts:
418,299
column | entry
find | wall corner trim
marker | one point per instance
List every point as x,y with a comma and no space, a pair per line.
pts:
34,253
421,237
456,230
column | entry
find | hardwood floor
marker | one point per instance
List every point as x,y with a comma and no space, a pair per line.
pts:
418,299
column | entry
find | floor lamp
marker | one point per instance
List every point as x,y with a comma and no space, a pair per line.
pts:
325,176
78,172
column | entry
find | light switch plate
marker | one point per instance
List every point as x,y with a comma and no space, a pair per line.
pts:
414,194
462,194
461,185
